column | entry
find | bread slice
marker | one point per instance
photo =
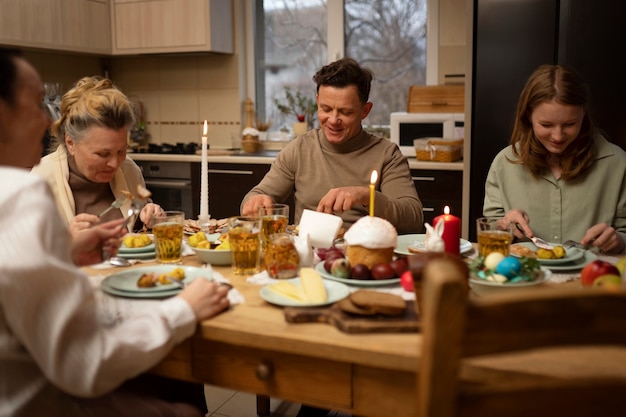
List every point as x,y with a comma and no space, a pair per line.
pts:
379,302
349,307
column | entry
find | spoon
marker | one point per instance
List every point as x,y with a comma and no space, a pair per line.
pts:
117,261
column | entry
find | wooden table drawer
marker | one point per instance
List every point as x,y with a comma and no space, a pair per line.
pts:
288,376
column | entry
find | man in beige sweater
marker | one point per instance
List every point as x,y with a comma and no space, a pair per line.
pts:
329,169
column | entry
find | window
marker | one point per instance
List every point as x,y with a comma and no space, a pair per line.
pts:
294,38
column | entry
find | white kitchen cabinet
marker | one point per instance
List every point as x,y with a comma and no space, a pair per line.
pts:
165,26
65,25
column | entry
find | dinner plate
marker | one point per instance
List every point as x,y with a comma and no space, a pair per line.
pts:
336,291
129,294
137,255
127,251
580,263
355,282
544,276
126,281
571,254
417,241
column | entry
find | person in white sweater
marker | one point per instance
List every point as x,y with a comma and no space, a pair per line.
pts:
56,358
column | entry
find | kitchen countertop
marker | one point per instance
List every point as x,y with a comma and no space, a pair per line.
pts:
267,157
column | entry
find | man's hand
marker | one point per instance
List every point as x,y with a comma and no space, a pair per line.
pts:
251,206
338,200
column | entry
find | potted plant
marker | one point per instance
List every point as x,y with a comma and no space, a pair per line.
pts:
301,106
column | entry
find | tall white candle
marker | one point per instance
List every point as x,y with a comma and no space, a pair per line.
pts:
204,183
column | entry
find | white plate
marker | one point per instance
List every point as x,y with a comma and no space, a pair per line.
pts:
571,254
127,251
544,276
417,241
139,255
587,258
126,281
355,282
336,291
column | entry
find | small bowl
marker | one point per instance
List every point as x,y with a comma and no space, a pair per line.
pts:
214,256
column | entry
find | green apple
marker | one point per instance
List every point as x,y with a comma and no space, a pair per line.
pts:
608,281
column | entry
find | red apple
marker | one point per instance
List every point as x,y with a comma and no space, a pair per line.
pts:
399,266
596,269
406,280
382,271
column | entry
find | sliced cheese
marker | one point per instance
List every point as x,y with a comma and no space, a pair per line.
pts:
288,290
313,285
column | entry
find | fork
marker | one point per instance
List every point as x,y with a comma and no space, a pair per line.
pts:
114,205
537,241
573,244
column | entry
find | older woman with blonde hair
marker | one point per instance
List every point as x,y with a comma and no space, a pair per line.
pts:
89,168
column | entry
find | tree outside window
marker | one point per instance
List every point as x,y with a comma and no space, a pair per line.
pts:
388,36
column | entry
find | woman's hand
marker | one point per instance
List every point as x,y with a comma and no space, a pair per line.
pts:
88,244
206,298
149,211
519,221
83,221
605,238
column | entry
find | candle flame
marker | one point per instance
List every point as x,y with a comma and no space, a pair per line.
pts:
446,210
374,177
205,129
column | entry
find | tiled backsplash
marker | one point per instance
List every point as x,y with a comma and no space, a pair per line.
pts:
178,92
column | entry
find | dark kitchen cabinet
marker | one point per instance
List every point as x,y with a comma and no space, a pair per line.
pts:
228,184
437,189
511,39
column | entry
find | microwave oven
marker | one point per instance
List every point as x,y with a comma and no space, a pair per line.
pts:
406,127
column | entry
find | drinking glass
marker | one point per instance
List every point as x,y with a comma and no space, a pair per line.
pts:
274,219
245,244
168,236
281,257
493,236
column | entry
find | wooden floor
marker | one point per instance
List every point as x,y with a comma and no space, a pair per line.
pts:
223,402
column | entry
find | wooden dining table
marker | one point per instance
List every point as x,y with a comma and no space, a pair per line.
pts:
251,347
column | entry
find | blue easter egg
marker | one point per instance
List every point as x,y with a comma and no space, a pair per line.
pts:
509,267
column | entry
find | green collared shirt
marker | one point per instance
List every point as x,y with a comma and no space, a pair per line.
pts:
561,210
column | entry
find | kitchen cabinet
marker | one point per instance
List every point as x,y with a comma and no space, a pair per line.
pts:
228,184
66,25
437,189
162,26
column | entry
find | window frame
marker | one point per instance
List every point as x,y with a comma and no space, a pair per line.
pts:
336,47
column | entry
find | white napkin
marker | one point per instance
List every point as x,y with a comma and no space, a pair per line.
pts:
321,227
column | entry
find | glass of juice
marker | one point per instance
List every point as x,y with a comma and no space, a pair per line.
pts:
168,236
245,244
274,219
493,235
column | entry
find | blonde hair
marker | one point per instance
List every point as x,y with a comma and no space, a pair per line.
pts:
92,102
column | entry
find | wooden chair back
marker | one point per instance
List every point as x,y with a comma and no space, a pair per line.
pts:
457,326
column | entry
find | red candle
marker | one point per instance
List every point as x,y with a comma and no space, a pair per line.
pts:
451,231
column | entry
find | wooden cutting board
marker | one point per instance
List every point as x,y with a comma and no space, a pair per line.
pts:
409,323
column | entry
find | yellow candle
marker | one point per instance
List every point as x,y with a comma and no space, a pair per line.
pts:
373,179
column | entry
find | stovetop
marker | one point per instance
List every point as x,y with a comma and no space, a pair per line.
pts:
167,148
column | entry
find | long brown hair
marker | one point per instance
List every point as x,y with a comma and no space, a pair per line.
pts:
565,86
